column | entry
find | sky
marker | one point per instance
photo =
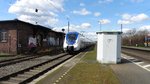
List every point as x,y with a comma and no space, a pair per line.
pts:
84,16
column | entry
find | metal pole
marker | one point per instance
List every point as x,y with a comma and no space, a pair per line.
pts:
100,25
68,23
36,10
121,27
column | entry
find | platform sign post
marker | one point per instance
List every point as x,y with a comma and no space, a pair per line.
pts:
147,40
109,47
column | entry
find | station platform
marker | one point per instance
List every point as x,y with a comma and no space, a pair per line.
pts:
129,71
140,48
132,70
81,69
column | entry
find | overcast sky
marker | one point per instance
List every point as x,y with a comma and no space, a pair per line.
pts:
84,15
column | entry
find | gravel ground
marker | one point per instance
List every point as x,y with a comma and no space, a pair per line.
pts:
23,65
53,51
10,57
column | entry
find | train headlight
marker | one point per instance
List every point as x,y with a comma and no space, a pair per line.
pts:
75,45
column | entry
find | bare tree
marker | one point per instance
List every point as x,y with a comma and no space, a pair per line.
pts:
134,37
141,36
128,37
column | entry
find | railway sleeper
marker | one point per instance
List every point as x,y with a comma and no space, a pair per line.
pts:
30,73
8,82
35,72
14,80
24,75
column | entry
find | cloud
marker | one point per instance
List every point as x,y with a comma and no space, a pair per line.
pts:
104,21
124,22
82,4
96,14
136,1
78,28
83,11
105,1
73,27
139,18
129,19
145,27
91,35
126,16
85,25
125,30
46,14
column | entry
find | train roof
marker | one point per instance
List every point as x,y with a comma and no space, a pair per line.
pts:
79,34
72,33
75,33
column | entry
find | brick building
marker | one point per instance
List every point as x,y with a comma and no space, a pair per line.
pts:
14,36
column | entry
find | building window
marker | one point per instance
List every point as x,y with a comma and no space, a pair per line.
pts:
3,36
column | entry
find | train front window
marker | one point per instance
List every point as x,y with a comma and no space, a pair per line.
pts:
71,37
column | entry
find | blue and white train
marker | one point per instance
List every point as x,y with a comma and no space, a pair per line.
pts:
75,41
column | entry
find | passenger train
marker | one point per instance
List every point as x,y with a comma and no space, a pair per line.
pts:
75,41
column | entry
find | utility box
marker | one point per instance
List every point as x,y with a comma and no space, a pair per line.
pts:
109,47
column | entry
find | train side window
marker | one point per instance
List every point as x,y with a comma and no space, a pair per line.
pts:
3,36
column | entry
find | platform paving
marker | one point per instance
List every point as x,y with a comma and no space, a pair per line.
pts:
130,72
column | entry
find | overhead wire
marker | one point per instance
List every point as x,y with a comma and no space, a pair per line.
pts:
62,14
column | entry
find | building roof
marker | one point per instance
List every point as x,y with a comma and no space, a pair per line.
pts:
36,25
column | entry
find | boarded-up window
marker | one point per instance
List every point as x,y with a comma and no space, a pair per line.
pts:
3,36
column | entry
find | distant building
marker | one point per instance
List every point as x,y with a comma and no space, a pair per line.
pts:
14,35
147,40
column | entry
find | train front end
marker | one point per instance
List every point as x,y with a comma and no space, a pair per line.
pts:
71,42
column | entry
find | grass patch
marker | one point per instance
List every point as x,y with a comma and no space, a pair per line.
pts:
89,71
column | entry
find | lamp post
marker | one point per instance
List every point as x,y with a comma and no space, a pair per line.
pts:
121,27
36,10
68,23
100,24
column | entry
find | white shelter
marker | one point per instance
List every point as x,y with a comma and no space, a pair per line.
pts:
109,47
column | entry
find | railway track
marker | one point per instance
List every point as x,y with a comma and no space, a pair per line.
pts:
28,74
141,53
10,58
16,60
